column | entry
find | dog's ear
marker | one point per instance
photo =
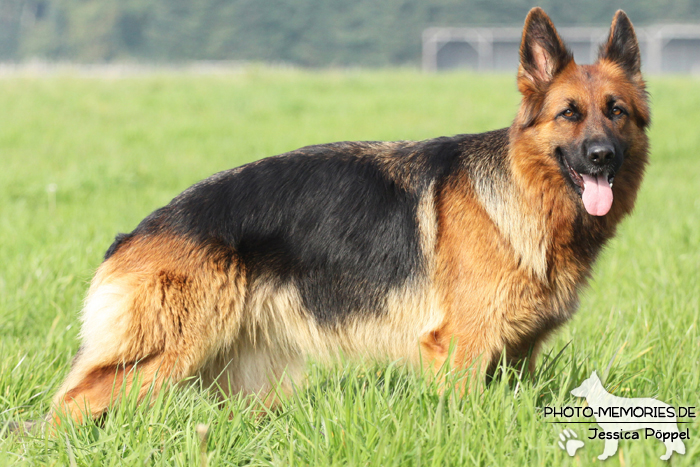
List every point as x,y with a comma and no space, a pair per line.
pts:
622,47
543,55
594,376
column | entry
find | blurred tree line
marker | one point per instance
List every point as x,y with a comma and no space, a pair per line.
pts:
304,32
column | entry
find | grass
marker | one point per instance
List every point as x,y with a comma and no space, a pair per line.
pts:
84,158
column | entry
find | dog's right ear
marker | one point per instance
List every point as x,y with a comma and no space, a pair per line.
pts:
543,55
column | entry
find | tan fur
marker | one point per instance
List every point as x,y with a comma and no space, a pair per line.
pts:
161,305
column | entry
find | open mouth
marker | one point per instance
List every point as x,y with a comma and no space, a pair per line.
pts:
595,190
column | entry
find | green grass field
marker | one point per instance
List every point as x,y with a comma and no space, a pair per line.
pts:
84,158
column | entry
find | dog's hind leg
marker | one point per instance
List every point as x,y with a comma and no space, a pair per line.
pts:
268,357
149,322
267,370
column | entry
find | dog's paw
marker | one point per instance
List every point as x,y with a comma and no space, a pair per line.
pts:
568,443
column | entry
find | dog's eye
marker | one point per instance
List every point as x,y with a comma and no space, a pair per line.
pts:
616,111
568,113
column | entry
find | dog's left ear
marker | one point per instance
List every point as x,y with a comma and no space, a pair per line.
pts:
622,47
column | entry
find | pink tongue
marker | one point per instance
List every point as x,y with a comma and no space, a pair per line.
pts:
597,194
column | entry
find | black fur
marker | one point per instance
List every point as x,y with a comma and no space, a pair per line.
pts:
337,220
118,242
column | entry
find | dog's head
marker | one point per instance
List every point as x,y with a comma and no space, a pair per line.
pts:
588,118
587,386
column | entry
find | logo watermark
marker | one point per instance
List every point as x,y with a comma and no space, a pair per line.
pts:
622,418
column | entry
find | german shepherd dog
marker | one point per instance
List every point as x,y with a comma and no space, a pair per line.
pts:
452,250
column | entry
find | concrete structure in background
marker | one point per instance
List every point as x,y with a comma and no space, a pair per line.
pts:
665,49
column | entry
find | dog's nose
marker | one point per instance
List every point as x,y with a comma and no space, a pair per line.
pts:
600,153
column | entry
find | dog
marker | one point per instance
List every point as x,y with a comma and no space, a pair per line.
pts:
450,251
598,398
